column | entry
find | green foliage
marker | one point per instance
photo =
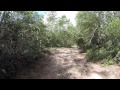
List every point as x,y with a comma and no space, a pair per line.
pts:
60,39
21,40
117,58
100,33
97,54
24,37
60,33
90,54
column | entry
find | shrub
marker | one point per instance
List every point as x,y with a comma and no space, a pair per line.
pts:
21,41
101,37
60,38
97,54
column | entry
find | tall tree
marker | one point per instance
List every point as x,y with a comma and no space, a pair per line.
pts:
51,20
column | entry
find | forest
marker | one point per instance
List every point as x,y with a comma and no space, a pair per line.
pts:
25,38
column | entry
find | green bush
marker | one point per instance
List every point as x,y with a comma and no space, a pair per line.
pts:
98,54
100,37
22,41
60,39
90,54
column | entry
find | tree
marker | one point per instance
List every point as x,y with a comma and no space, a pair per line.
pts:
61,33
99,34
21,39
51,20
63,23
89,25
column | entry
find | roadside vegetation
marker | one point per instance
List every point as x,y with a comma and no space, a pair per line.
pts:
24,37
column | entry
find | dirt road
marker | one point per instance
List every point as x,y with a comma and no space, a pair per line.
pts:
68,63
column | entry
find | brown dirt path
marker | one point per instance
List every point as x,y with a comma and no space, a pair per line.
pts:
68,63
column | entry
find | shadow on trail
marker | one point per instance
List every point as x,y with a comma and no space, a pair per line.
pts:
62,63
56,65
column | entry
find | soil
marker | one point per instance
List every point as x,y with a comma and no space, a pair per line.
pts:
68,63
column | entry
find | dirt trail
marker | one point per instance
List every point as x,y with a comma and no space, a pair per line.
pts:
68,63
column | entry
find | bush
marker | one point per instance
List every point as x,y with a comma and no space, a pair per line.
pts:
90,54
97,54
21,41
100,37
60,38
